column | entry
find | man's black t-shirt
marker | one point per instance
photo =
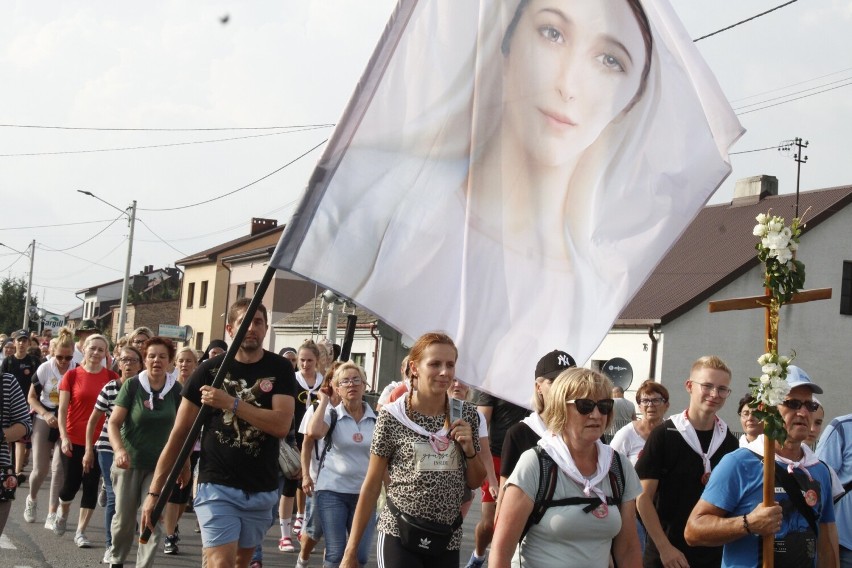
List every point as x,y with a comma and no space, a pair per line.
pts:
233,452
519,439
23,369
504,415
678,469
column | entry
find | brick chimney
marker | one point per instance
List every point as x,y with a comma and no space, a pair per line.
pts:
751,190
259,225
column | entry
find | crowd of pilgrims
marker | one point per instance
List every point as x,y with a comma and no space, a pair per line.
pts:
579,481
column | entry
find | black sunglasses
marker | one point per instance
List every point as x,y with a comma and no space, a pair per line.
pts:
587,405
794,404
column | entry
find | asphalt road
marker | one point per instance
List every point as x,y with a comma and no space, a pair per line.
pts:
25,545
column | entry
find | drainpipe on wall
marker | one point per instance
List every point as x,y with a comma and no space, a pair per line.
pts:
652,368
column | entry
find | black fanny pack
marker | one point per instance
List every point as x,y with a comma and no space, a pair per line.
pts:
422,536
795,550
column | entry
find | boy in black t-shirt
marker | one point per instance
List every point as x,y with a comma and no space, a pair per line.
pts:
676,463
238,468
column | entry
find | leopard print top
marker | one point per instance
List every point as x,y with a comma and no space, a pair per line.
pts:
424,483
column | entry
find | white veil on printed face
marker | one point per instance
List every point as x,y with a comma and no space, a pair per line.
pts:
430,212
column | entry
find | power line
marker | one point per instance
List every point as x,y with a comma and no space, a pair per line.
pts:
793,93
744,21
14,262
161,239
112,129
790,85
90,263
83,259
148,147
206,201
87,240
53,225
794,99
755,150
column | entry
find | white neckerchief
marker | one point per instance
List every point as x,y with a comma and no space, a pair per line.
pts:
536,424
310,390
555,447
687,430
145,383
438,440
808,457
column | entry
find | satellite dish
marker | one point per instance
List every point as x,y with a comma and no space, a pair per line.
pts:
188,332
619,371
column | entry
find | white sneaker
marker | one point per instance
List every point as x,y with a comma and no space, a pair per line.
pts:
82,541
59,525
48,522
30,510
108,555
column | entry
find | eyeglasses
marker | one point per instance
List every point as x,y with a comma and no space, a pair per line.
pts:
349,382
125,360
63,357
587,405
139,341
795,404
746,414
708,388
652,401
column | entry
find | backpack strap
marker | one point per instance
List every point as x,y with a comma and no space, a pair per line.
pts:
548,471
794,493
327,439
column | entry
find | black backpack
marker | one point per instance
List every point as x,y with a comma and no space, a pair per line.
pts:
548,471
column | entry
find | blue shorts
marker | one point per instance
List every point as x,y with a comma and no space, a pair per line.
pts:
226,514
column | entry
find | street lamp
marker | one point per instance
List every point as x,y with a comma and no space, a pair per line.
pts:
122,314
29,282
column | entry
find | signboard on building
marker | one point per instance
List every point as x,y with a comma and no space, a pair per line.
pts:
179,332
52,321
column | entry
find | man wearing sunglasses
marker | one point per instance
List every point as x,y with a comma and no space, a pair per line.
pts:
731,511
677,462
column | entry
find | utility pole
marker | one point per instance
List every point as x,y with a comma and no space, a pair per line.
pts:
786,146
122,316
122,313
29,288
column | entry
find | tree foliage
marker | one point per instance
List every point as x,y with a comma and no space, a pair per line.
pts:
13,295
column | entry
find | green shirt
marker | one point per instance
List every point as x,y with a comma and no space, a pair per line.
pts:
146,430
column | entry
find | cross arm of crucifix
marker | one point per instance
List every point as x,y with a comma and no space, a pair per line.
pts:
752,302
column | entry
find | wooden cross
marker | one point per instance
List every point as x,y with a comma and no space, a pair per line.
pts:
751,303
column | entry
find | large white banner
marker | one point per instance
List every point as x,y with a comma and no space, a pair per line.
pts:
511,172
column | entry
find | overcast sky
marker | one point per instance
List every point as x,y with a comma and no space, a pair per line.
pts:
175,65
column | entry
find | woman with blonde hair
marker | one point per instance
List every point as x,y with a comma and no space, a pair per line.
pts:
78,392
43,399
344,461
602,516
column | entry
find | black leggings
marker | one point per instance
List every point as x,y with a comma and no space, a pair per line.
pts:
391,554
74,476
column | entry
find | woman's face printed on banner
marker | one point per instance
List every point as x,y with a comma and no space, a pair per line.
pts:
572,67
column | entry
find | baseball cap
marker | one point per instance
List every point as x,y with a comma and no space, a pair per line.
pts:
796,377
554,363
20,333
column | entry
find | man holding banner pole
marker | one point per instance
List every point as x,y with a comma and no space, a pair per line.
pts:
238,468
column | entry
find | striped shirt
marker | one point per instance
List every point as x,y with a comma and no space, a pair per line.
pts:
13,411
105,403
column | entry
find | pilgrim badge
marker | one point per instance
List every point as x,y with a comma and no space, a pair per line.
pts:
357,437
601,511
811,497
266,385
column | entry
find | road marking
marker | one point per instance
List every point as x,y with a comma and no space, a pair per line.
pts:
6,543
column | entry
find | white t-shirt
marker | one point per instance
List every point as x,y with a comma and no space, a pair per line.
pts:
627,441
568,532
318,444
49,377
